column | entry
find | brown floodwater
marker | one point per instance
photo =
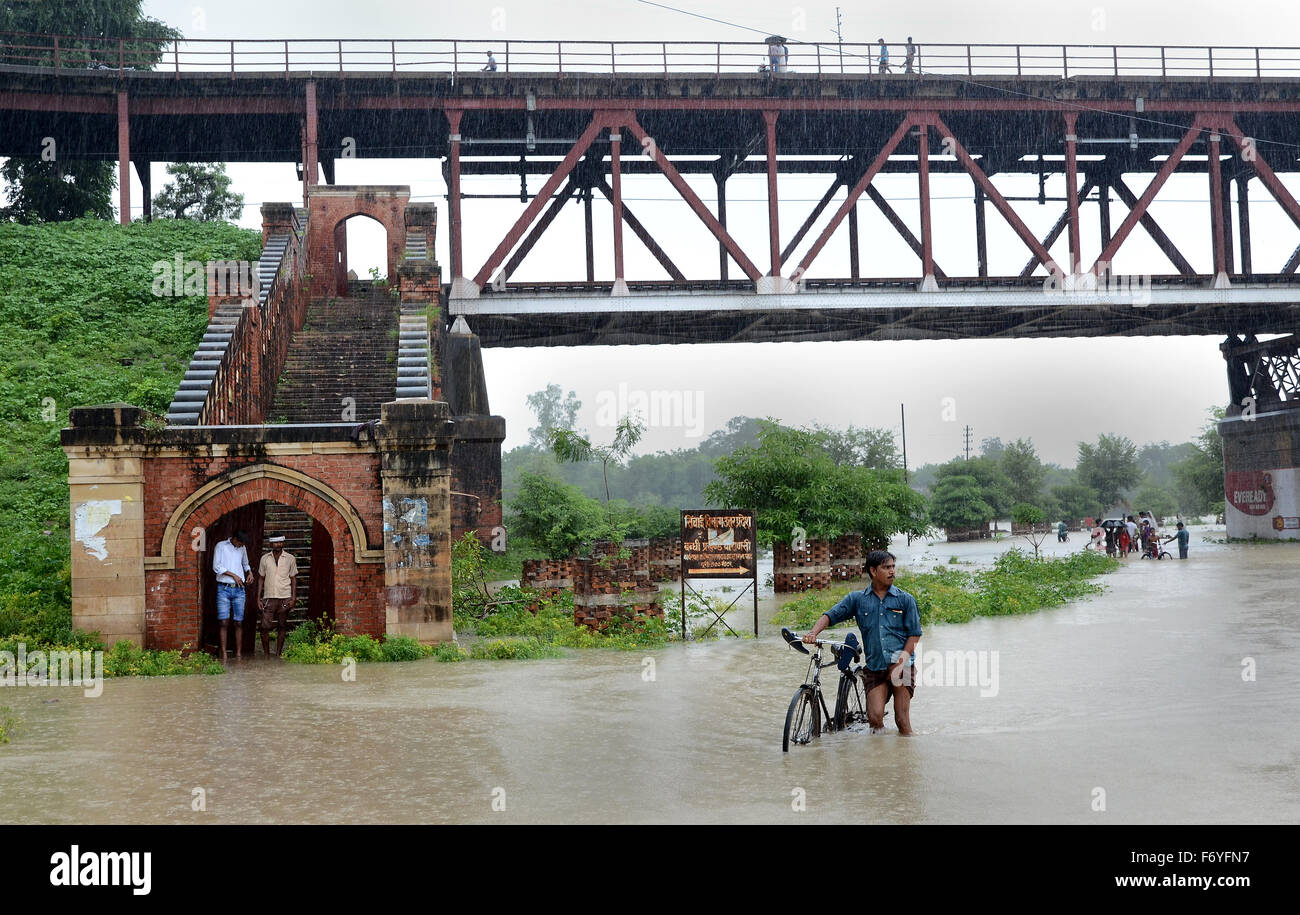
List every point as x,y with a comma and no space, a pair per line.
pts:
1134,700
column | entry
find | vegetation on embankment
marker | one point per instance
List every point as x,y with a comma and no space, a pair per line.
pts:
1016,584
81,326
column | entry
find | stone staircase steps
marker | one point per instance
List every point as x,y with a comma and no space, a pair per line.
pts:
347,348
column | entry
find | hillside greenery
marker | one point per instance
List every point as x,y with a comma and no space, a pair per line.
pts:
81,326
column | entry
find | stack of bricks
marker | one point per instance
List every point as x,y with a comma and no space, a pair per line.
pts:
665,558
846,557
637,561
598,593
548,577
801,570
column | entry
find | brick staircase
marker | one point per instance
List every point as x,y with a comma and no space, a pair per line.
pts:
348,347
295,526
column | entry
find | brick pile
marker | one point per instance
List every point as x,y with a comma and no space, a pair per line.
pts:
548,577
846,557
598,593
801,570
665,558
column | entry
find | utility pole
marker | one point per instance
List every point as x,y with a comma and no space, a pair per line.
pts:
902,415
839,37
967,434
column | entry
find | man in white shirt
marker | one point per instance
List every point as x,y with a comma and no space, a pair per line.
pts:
230,563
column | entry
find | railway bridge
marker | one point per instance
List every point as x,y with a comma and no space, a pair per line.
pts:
578,122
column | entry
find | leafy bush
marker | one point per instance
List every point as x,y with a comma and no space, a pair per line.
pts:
127,660
514,650
1017,583
316,642
449,651
401,648
8,723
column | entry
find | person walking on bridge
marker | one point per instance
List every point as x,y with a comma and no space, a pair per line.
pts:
910,59
230,563
279,573
891,626
884,55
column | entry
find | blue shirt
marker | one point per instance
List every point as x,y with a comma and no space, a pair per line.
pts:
886,625
1184,537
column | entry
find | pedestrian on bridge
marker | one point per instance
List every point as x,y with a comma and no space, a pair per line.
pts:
279,573
884,55
910,59
230,563
491,64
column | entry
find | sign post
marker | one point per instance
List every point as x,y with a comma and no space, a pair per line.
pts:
719,543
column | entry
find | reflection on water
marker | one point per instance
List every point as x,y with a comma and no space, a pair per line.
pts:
1138,692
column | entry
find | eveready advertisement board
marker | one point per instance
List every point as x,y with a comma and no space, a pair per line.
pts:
1262,503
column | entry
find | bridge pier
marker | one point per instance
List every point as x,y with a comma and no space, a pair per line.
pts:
1261,439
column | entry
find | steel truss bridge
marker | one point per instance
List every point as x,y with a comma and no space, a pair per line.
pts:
1116,121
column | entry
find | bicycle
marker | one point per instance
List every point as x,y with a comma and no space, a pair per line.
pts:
803,720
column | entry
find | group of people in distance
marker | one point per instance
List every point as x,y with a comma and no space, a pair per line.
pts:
778,57
1133,535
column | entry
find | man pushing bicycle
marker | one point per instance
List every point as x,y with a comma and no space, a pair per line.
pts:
891,626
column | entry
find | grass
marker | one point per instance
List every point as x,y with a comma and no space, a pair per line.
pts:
315,642
8,723
81,326
1016,584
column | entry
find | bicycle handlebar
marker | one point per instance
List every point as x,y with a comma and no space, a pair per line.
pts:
793,640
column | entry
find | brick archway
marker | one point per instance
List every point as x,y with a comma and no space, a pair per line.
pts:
174,591
329,207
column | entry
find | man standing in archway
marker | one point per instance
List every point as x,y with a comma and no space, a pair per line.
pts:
230,563
279,573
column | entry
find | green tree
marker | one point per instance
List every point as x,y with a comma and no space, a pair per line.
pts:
198,191
958,503
740,432
873,448
1024,470
1076,500
1110,467
45,189
553,411
1199,477
554,515
57,191
790,480
1155,499
1029,515
992,448
995,488
571,447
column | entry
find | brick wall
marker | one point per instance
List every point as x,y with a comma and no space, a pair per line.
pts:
328,206
173,596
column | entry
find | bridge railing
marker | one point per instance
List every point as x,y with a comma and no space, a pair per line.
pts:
464,56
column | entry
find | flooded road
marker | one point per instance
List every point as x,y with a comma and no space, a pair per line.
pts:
1137,693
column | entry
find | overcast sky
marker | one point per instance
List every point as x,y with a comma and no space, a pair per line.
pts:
1055,391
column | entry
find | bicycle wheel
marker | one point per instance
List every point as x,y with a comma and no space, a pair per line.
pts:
849,703
802,720
1164,554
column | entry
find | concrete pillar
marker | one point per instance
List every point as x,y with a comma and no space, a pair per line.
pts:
1261,474
415,440
106,495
